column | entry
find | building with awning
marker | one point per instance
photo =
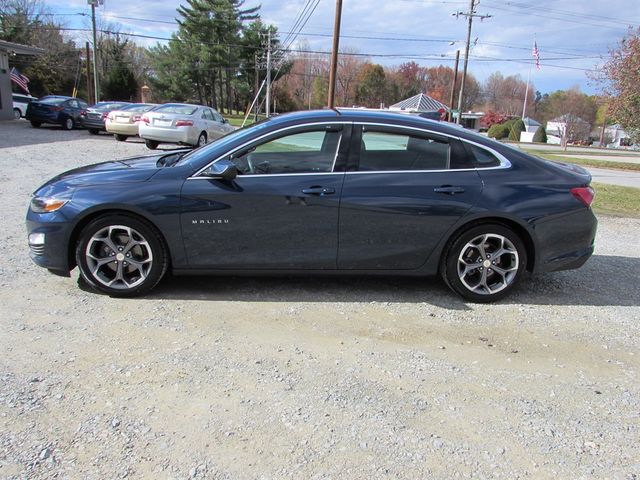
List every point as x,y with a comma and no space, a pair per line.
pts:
8,50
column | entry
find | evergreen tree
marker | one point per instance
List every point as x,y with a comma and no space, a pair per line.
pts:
540,136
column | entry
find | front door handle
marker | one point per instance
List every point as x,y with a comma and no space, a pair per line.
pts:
449,189
319,190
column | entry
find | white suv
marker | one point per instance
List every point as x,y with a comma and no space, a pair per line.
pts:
20,103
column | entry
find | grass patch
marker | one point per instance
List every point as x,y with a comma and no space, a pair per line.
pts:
237,119
616,200
587,162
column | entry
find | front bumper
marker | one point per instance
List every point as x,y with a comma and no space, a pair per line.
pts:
53,253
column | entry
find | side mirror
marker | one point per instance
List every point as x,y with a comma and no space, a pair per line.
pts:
224,120
222,170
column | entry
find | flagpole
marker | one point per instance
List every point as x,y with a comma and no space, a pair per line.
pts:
526,94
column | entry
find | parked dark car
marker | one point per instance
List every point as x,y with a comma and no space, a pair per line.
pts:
93,118
56,109
324,192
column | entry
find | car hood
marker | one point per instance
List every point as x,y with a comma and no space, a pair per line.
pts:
130,170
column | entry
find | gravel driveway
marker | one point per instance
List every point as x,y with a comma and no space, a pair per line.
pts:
245,378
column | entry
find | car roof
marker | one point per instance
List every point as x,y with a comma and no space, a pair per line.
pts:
386,117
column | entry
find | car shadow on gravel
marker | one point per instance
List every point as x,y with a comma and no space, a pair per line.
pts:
603,281
310,289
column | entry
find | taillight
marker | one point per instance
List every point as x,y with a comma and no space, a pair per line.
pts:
136,118
144,119
105,115
184,123
57,109
584,194
83,113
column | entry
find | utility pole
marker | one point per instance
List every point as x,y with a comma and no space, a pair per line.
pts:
256,87
89,92
93,4
470,15
268,102
334,55
453,87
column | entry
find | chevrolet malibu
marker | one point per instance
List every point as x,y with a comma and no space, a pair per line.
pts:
183,124
325,192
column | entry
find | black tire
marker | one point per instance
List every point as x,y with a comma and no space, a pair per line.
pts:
140,258
151,144
120,138
202,140
94,131
68,123
36,124
486,279
17,115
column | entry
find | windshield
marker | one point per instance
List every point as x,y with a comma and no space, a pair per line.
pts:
179,109
53,100
204,153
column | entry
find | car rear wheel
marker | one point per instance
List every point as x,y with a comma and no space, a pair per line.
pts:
36,124
94,131
484,263
121,256
151,144
202,139
68,124
120,138
16,114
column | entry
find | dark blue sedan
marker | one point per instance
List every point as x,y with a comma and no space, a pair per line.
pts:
56,109
325,192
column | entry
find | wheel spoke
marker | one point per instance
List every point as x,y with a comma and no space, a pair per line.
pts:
488,264
126,252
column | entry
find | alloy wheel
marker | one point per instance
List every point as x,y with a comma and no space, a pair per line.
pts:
119,257
488,264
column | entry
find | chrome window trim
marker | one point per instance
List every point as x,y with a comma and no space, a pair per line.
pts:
504,162
196,176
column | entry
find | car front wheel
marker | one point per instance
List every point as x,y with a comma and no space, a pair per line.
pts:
484,263
16,113
121,256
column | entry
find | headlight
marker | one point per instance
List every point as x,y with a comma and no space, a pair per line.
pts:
46,204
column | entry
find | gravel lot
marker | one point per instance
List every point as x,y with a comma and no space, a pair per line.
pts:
309,378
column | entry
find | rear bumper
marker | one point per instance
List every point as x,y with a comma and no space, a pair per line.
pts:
565,241
130,129
92,124
167,135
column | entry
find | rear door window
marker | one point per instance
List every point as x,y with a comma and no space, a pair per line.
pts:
399,151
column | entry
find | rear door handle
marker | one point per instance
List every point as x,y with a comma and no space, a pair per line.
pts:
451,190
319,190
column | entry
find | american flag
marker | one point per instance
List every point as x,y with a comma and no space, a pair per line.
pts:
536,54
19,79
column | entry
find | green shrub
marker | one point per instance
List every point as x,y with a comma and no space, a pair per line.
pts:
540,136
494,131
517,127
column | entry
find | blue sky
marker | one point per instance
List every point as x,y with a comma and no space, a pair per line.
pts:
572,37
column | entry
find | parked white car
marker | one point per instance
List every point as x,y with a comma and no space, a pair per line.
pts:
124,123
182,123
20,104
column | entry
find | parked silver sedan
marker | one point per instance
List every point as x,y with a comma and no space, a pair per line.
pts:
182,123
